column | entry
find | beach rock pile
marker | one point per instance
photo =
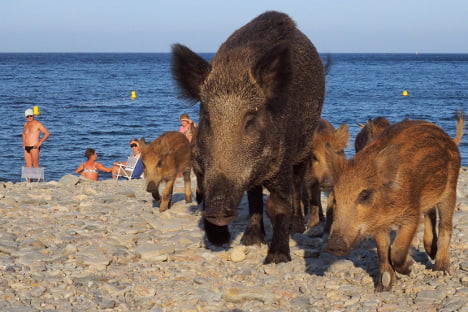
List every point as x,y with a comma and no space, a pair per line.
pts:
75,245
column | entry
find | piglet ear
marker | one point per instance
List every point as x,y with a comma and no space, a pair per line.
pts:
341,137
387,164
189,71
272,72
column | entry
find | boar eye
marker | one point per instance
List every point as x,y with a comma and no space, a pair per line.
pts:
313,158
250,123
159,164
365,197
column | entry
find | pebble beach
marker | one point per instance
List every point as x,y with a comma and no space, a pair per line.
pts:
76,245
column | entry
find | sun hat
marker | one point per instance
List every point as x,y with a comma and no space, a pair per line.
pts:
28,112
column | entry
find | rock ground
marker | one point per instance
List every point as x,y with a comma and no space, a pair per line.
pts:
74,245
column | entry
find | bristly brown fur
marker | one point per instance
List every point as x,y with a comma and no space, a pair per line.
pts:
410,170
260,96
163,159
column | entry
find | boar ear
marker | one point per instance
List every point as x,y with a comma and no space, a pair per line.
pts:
342,137
387,163
189,70
141,144
272,72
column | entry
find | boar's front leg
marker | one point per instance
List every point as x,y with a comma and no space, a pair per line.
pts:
401,260
387,275
255,231
166,199
279,211
316,211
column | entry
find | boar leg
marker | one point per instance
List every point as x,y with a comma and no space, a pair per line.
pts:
166,199
255,231
330,212
315,204
297,215
401,260
387,275
188,187
445,209
279,210
430,235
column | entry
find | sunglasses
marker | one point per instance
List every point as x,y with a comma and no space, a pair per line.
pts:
133,145
29,116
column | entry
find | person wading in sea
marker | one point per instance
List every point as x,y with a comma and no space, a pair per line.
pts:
32,139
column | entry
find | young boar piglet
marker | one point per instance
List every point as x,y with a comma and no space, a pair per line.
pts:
319,175
370,131
409,170
163,159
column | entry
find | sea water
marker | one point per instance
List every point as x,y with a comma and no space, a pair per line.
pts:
85,100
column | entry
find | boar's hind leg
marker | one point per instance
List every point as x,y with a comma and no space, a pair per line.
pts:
166,200
255,231
430,235
445,209
297,215
387,275
279,210
401,260
316,212
188,187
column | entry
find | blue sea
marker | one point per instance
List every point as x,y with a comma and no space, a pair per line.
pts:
85,100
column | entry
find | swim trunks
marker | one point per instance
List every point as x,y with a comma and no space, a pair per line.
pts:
29,148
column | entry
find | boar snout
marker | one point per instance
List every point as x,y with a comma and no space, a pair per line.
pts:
327,185
337,245
152,187
219,215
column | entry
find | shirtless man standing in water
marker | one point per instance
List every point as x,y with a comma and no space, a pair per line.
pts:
31,139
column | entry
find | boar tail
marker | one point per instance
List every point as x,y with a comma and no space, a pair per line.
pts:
460,115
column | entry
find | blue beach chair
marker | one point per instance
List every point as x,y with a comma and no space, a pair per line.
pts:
131,170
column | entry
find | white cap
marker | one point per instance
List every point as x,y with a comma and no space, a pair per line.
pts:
28,112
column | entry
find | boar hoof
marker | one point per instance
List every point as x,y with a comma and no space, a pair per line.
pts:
277,258
297,225
156,196
252,236
385,283
405,268
442,266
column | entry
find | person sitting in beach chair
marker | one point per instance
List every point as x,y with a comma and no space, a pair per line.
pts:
133,167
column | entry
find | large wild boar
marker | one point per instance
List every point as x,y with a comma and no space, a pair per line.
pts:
370,131
410,170
319,176
260,98
163,159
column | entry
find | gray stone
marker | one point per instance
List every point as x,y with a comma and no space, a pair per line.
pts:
68,181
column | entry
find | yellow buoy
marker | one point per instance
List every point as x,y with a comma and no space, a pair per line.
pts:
133,96
404,93
36,110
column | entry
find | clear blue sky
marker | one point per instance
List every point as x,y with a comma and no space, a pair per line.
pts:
153,25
